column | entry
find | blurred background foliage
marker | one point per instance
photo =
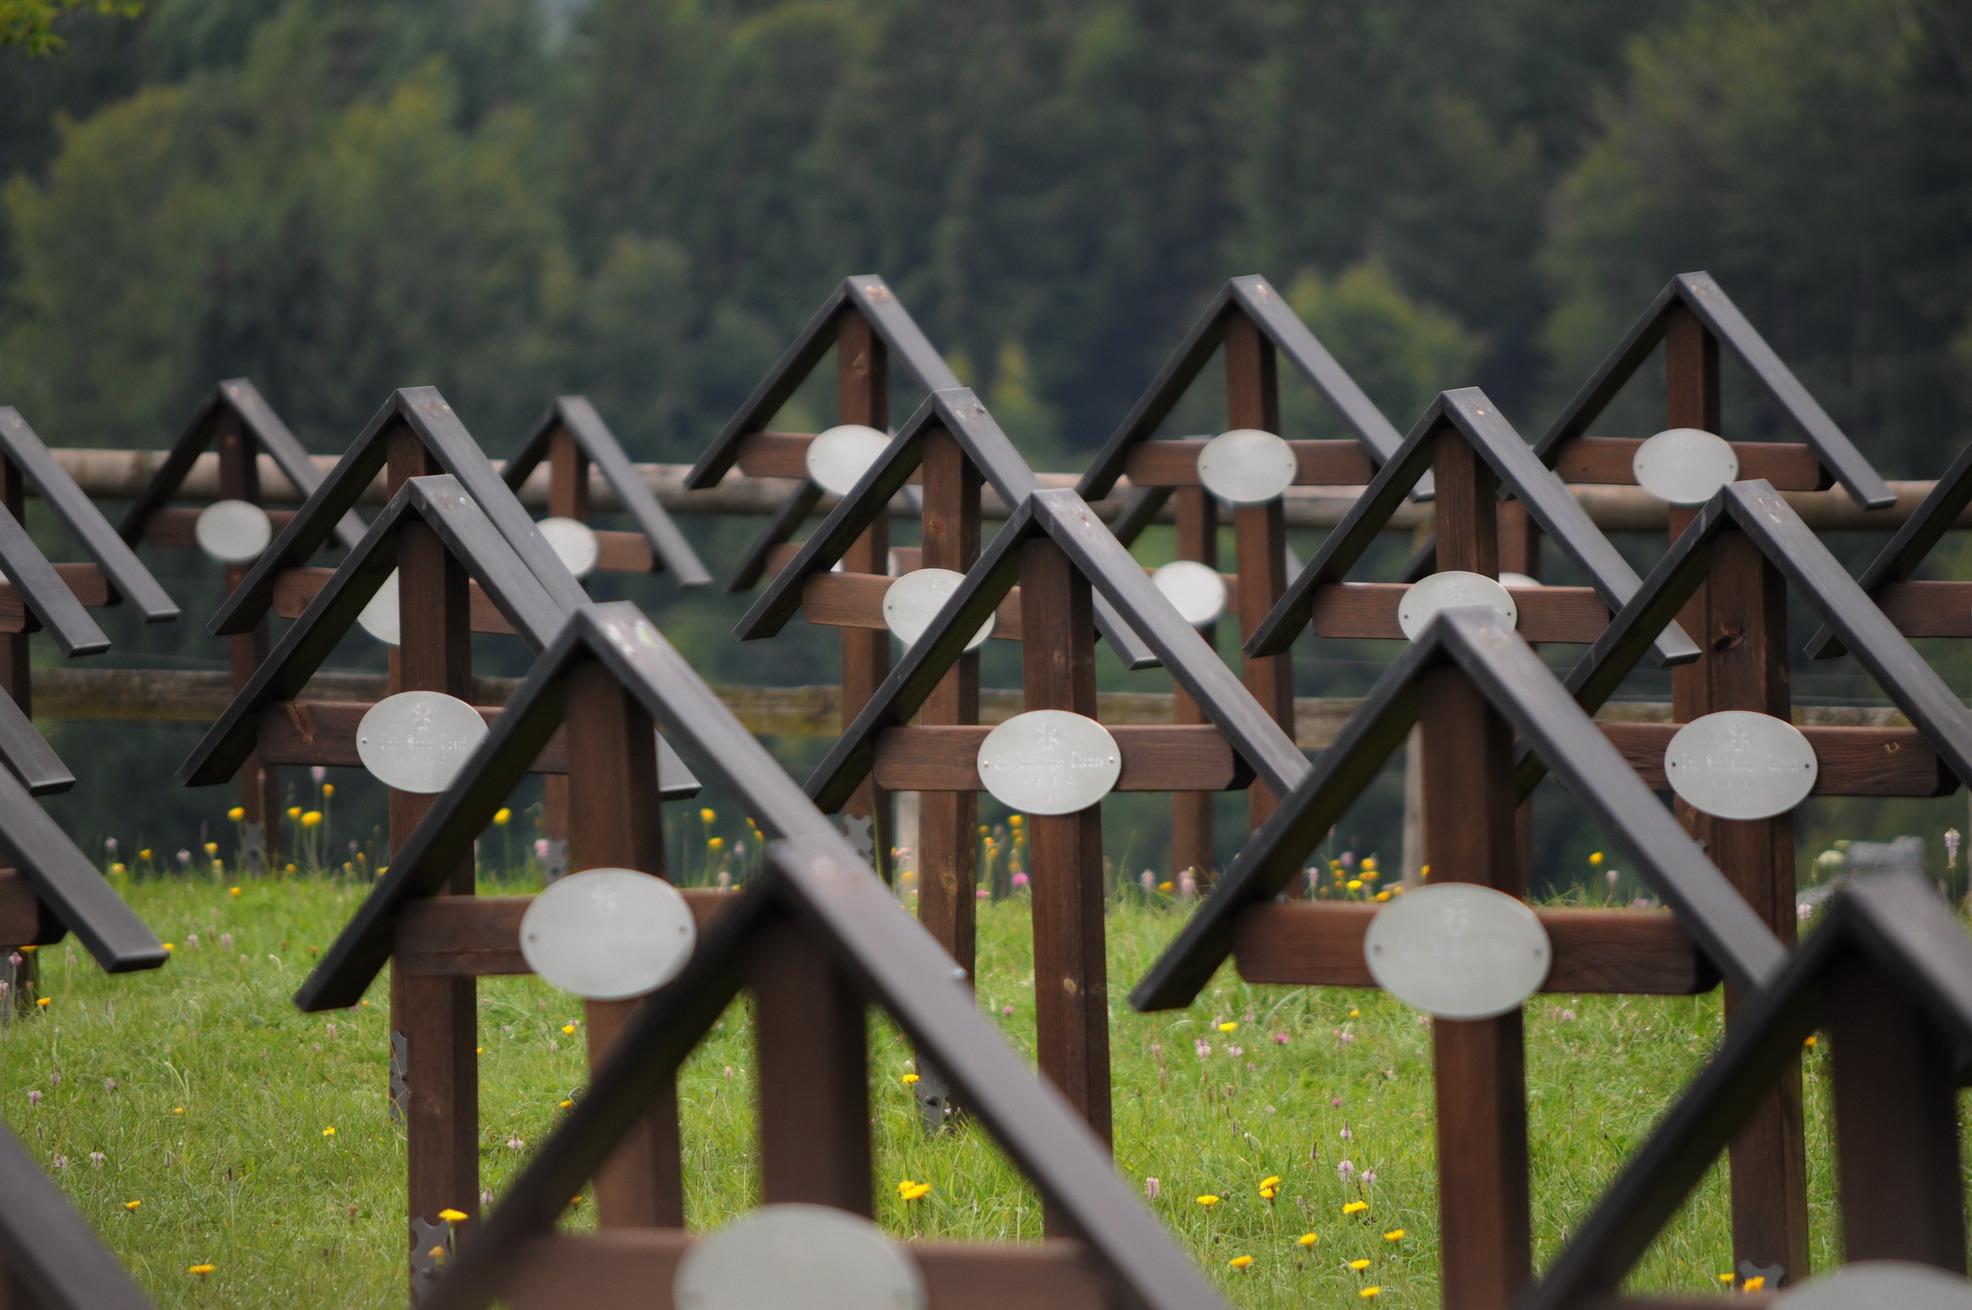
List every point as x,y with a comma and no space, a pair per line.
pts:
642,199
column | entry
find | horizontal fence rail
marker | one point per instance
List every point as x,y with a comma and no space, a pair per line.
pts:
120,474
180,696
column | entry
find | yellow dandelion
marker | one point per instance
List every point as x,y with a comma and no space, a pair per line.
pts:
1394,1235
502,817
905,1184
451,1216
1370,875
1354,884
564,1104
1754,1284
1354,1013
116,870
1271,1180
715,843
144,854
1370,1293
1268,1193
212,848
707,815
294,811
169,947
1381,896
1307,1239
1229,1026
1355,1207
1595,859
177,1109
293,867
1369,864
1166,885
29,950
1359,1265
568,1028
232,891
131,1205
916,1192
1208,1200
1812,1041
237,813
44,1001
330,1131
1424,871
311,819
910,1080
328,790
200,1271
1240,1261
1727,1279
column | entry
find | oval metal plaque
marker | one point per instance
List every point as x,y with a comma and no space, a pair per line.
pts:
608,934
1685,466
1197,591
798,1255
913,600
1049,762
838,457
1452,589
1738,764
1880,1285
1247,466
415,741
1458,951
574,542
381,618
233,531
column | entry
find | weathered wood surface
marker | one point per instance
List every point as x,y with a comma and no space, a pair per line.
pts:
121,474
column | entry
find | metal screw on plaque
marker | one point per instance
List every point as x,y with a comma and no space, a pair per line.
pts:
400,1076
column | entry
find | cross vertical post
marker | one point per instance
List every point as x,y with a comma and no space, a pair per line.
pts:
863,396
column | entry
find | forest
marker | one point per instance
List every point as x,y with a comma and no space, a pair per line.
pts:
643,199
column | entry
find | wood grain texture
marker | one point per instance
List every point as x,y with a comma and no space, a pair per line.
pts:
1369,609
862,382
479,936
1191,811
1739,619
636,1270
812,1049
1789,465
1927,608
1260,536
1071,981
1156,757
258,782
1854,761
855,600
1174,463
1617,952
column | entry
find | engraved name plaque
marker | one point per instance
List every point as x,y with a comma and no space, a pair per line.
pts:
416,741
1049,762
608,934
1458,951
1452,589
913,600
1738,764
1684,466
1247,466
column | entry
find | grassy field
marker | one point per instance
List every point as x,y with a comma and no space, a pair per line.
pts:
194,1116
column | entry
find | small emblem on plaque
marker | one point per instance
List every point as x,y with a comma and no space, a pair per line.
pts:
1247,466
574,543
838,457
1738,764
1197,591
1049,762
1458,951
233,531
913,600
1452,589
1684,466
812,1256
416,741
608,934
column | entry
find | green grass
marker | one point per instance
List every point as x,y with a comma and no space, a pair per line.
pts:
208,1096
